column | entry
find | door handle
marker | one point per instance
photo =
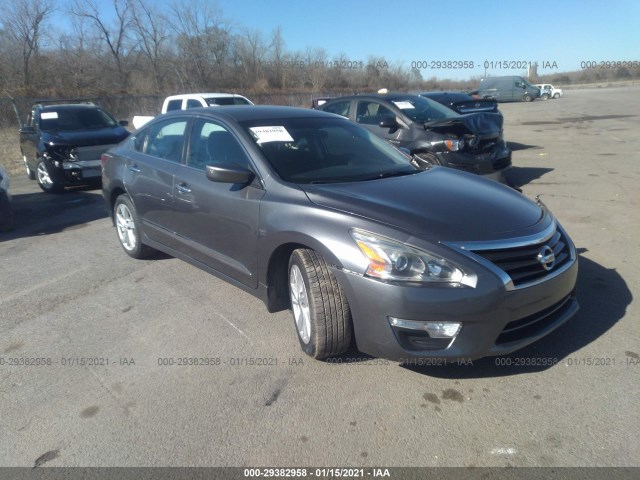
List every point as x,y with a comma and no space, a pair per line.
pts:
182,188
134,168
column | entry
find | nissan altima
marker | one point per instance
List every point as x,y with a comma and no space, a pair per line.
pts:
313,213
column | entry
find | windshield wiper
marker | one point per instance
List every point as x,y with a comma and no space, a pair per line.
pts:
388,174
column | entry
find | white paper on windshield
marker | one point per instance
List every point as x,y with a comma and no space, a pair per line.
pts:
271,134
49,115
404,105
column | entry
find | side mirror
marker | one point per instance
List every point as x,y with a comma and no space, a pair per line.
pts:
27,130
388,122
229,174
123,123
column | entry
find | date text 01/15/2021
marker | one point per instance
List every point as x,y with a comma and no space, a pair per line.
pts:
315,472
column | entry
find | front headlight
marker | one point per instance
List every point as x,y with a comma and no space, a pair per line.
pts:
394,261
453,145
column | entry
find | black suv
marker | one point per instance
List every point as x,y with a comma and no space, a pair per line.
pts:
433,133
61,144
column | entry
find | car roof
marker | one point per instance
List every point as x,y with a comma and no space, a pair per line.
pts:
203,95
389,97
254,112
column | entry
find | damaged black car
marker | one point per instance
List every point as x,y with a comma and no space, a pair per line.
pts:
431,132
61,144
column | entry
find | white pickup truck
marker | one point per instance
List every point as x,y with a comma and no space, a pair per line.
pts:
194,100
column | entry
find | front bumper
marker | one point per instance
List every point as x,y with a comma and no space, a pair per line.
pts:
495,321
497,160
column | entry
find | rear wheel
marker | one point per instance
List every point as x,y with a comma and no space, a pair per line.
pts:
128,228
320,310
48,181
545,96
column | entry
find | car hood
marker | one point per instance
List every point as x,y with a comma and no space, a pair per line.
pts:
102,136
439,204
485,124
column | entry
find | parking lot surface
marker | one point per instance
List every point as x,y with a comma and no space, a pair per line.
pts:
156,363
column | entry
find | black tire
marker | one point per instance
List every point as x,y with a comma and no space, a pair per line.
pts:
428,159
329,328
128,228
31,175
527,98
48,181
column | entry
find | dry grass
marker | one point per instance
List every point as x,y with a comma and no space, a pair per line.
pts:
10,156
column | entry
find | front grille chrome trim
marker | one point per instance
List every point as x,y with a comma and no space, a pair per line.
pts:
470,248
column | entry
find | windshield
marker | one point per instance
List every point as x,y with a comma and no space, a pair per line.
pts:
68,119
326,150
422,110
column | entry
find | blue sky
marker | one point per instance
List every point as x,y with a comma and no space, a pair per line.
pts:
566,32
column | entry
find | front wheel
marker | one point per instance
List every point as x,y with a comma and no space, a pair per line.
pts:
320,310
128,228
527,98
48,182
556,95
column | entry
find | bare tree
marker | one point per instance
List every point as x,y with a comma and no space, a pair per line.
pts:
251,50
115,38
150,28
277,48
204,39
24,21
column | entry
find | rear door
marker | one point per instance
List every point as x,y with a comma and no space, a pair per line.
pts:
149,175
217,223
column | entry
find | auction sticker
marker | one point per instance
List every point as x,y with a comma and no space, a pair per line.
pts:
271,134
48,115
404,105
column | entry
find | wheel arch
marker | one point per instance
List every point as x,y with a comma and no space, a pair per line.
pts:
276,274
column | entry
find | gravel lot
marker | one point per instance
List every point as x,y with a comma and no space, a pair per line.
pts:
68,292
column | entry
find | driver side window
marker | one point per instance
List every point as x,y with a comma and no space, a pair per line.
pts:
372,113
212,144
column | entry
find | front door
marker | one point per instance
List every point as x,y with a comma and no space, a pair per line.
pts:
217,223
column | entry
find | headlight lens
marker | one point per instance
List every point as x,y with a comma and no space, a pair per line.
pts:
394,261
455,144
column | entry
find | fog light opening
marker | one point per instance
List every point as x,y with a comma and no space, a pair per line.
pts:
433,329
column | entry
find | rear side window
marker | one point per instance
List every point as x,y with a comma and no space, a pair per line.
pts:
191,103
174,105
339,108
163,140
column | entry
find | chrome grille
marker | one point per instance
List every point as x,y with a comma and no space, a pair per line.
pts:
523,264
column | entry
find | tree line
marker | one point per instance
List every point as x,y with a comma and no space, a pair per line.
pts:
139,47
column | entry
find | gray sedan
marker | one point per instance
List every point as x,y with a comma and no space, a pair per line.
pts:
311,212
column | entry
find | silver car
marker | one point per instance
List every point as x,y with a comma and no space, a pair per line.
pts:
311,212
